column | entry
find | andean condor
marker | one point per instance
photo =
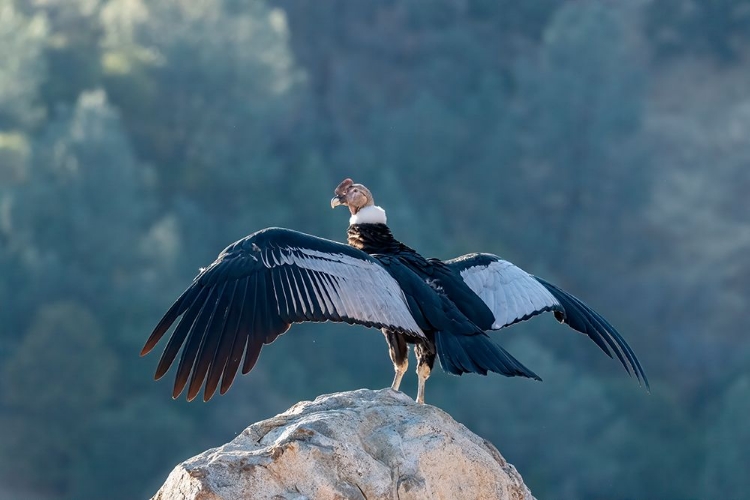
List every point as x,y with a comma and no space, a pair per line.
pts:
263,283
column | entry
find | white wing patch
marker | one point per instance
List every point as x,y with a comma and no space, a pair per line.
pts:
511,293
344,286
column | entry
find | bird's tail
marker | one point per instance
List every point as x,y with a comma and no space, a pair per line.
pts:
477,354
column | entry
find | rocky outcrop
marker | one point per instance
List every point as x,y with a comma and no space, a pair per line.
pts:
352,445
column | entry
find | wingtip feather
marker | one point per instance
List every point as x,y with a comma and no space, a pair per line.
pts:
176,391
617,343
193,390
154,338
191,395
161,370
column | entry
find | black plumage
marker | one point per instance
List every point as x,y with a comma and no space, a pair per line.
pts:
262,284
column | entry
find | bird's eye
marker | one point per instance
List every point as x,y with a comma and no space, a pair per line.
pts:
356,190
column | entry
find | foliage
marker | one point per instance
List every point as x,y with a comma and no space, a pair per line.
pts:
213,109
125,429
728,443
138,138
76,218
719,27
22,40
595,90
69,382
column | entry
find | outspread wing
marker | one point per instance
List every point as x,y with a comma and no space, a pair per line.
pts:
514,295
511,293
256,289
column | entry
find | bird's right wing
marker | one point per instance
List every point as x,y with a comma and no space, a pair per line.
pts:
256,289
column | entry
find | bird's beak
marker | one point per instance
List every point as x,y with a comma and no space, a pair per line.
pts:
336,201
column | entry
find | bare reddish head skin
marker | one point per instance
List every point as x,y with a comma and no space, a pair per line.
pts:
343,187
354,196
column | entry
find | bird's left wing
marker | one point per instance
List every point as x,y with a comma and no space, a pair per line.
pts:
511,293
514,295
256,289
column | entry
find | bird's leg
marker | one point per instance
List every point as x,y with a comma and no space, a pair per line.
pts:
425,361
423,372
399,352
400,370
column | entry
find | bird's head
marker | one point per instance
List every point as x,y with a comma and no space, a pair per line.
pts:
354,196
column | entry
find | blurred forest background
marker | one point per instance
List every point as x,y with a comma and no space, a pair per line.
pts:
603,145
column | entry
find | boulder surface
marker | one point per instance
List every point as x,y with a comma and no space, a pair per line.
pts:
352,445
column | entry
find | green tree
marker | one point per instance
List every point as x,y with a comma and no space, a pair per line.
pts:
129,450
582,107
58,377
80,215
400,50
218,86
23,67
728,444
78,229
680,27
72,47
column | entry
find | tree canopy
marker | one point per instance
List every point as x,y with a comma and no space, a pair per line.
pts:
602,145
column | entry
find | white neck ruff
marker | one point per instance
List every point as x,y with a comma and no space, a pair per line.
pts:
369,215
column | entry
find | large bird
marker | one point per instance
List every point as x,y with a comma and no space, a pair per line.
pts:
261,284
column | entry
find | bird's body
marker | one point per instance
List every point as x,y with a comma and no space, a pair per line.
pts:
263,283
444,307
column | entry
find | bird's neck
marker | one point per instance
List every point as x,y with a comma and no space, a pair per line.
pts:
372,238
370,214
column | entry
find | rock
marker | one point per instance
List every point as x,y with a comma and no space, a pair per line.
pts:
351,445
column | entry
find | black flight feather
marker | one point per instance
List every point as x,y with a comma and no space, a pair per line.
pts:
584,319
193,342
178,336
225,339
211,338
249,291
